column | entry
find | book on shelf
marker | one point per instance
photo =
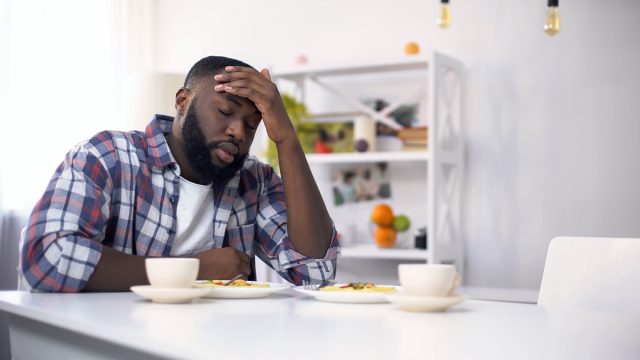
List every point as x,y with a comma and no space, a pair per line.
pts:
414,138
413,133
414,147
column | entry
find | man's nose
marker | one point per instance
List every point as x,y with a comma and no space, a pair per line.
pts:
235,129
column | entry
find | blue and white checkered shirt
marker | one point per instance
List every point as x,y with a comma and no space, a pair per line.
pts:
120,189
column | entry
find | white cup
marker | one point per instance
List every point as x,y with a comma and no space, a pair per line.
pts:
428,279
172,272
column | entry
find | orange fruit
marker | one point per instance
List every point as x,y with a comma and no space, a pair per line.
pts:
382,215
411,48
385,237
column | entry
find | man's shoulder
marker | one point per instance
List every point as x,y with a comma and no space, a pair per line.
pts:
120,139
111,145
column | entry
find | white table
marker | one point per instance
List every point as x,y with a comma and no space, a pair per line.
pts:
122,325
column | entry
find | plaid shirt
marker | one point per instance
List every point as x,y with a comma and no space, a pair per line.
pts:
120,189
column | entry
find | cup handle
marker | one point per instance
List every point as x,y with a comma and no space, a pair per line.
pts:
456,282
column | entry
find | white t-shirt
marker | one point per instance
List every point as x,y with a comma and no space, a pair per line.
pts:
194,218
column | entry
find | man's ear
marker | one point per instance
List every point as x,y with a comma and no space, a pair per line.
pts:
182,100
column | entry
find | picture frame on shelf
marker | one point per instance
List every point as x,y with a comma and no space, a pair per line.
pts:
361,183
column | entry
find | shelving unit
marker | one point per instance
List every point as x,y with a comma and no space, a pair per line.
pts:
426,184
346,158
370,251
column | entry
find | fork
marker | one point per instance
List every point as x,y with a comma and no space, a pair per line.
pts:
239,276
308,285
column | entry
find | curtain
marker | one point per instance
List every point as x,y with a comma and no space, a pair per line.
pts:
66,69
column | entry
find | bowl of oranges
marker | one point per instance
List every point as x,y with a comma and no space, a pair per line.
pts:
387,225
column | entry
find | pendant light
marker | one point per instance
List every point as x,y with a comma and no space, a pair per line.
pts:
552,21
444,20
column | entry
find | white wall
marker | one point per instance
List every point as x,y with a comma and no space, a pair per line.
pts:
553,124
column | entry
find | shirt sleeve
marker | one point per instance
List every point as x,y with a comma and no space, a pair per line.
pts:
275,247
62,241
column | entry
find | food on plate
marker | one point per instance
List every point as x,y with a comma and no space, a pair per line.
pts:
358,286
236,283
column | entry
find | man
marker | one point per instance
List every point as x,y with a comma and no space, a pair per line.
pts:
185,187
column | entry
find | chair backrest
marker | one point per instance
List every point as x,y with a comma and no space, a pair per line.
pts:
596,273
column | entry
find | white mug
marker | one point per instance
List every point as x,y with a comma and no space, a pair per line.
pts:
428,279
172,272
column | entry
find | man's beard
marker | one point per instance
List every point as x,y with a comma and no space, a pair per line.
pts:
199,153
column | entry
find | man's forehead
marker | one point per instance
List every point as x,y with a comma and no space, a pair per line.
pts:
234,99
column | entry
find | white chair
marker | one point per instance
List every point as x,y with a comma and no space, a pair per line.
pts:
596,273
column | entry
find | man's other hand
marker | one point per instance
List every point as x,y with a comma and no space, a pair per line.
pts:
223,263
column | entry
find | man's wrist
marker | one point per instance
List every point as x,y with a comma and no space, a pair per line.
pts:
288,144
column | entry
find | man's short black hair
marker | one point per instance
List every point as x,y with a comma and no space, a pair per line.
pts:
208,67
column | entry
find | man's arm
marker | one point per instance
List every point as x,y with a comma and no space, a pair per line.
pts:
59,253
309,226
118,271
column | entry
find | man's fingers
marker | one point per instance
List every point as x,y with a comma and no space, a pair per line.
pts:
244,258
245,263
246,269
265,73
249,93
234,83
237,75
239,80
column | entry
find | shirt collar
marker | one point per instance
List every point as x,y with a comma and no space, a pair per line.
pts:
157,146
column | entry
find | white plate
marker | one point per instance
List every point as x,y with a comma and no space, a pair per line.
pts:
169,295
230,292
346,296
425,303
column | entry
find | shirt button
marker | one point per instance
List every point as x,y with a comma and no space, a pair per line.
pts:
171,232
172,166
172,199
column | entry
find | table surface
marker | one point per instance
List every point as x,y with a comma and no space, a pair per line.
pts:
289,324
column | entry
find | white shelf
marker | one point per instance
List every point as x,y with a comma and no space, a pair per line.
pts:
365,251
427,184
388,156
303,71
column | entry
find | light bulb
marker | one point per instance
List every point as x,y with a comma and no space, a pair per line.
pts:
552,21
444,20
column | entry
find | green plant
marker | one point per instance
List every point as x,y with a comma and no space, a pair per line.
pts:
298,114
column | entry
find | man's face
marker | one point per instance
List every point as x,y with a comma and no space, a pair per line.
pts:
218,131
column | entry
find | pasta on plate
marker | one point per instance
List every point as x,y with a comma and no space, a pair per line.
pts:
240,283
358,287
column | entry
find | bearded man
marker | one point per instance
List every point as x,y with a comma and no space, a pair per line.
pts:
184,188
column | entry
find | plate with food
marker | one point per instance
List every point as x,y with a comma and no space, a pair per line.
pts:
354,292
239,289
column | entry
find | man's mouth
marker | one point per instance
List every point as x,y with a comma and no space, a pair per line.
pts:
226,151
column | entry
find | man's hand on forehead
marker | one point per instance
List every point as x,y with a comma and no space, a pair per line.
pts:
256,86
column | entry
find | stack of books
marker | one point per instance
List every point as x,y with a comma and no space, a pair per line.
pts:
414,138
